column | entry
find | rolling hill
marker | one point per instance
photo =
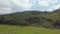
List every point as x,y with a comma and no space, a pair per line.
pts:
33,18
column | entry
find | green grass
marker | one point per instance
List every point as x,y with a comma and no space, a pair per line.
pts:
9,29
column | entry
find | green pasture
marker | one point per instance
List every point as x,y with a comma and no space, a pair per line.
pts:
11,29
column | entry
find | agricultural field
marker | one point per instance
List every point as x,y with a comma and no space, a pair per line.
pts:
12,29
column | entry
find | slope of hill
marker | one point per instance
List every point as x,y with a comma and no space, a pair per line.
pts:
33,18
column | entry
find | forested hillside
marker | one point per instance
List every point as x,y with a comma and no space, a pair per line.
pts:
33,18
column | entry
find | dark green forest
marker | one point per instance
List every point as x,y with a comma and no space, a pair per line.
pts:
33,18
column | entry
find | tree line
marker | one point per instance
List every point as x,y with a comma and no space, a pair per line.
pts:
33,21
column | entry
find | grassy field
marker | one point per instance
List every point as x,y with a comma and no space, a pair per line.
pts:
9,29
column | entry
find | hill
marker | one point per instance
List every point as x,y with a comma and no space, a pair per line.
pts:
33,18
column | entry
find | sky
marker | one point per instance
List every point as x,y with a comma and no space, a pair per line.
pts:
10,6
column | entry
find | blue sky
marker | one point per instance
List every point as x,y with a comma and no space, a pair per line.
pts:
10,6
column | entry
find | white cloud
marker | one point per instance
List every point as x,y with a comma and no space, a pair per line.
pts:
54,1
6,6
22,3
5,3
5,10
54,7
46,2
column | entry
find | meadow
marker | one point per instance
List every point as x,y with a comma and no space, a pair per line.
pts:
12,29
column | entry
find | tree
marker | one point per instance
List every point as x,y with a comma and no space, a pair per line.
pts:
2,20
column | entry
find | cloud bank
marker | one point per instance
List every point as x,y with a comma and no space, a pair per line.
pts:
10,6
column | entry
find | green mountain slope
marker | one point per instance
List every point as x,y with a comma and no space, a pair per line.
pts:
34,18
